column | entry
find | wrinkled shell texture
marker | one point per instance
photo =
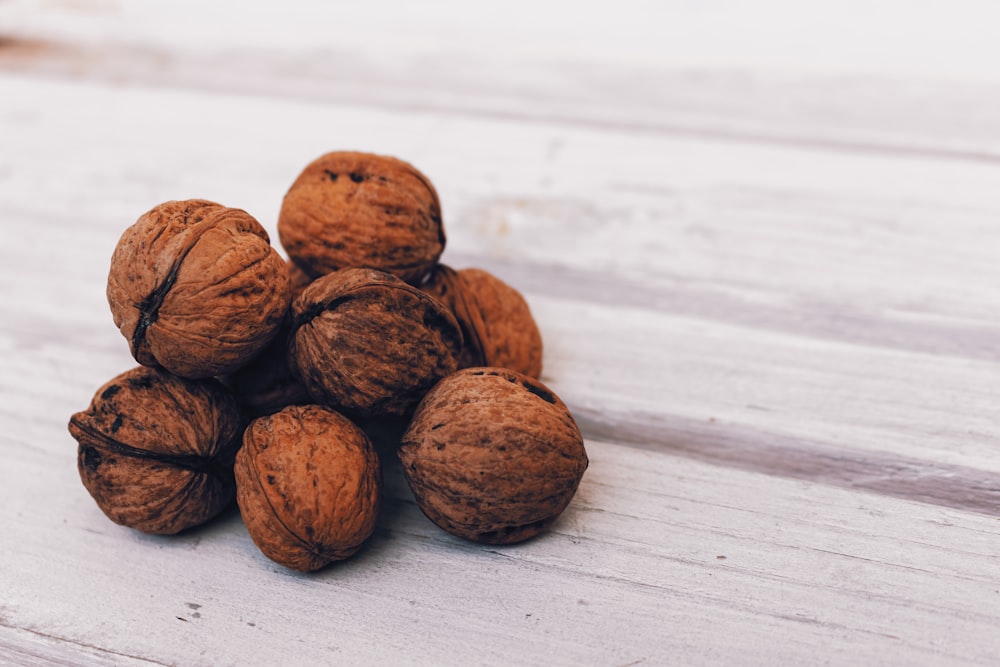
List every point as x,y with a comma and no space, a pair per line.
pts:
197,288
492,455
155,450
497,324
266,384
308,486
361,210
298,278
368,344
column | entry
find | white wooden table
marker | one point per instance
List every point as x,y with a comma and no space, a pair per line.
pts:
762,241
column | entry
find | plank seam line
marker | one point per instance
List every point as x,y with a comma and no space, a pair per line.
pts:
65,64
66,640
748,448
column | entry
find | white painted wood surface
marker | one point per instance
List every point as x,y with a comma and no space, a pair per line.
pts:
762,248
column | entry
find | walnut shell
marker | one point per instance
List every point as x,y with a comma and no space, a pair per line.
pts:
497,325
492,455
308,486
266,384
196,288
156,451
348,210
298,278
368,344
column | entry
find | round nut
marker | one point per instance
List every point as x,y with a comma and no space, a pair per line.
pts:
266,384
497,325
368,344
196,288
308,484
156,451
492,455
349,210
298,278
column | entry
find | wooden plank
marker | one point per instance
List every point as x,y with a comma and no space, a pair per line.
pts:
640,80
27,648
655,555
770,35
783,355
764,313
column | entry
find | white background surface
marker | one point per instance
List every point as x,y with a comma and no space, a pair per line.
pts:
760,240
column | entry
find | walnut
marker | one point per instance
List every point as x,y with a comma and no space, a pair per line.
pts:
308,486
496,323
492,455
196,288
361,210
155,450
266,384
298,278
368,344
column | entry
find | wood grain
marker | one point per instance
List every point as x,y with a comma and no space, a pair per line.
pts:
767,294
857,573
860,113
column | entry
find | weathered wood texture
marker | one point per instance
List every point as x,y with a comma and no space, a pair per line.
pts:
770,297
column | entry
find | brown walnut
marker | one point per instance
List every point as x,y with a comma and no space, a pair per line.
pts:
497,325
266,384
308,486
156,450
348,210
298,278
492,455
368,344
196,288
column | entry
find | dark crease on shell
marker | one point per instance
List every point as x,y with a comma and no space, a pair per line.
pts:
149,306
201,464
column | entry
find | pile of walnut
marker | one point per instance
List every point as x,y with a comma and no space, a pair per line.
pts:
261,379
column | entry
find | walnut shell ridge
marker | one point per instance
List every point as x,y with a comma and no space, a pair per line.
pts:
497,325
366,343
195,287
156,451
492,455
350,210
308,486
